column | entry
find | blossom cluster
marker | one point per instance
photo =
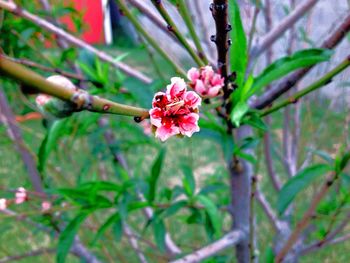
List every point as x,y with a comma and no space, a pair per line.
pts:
175,112
21,196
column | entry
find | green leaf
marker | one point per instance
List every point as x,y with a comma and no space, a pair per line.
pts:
50,142
66,238
188,182
298,183
242,92
173,209
255,121
155,173
159,234
239,110
341,161
118,229
238,49
285,65
111,220
212,212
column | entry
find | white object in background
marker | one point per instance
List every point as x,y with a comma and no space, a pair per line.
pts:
107,25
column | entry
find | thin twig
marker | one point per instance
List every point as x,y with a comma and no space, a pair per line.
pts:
226,241
17,10
274,93
301,225
324,80
173,28
33,253
150,40
282,27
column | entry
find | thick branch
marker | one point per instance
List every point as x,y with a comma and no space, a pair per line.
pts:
219,10
274,93
13,8
226,241
83,100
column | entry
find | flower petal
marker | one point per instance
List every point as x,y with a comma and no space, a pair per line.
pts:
193,74
176,89
192,99
164,132
156,115
188,124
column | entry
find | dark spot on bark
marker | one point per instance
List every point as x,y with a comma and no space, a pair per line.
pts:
106,107
137,119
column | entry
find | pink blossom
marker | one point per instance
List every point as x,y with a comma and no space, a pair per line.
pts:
147,127
205,81
3,204
45,206
175,111
21,195
42,99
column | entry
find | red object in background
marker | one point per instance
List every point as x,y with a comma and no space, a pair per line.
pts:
92,23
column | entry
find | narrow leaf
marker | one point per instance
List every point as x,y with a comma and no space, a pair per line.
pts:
239,110
109,222
189,182
298,183
67,237
159,234
285,65
238,48
155,173
212,211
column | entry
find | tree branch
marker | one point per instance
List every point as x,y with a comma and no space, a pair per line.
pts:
8,119
274,93
307,216
17,10
226,241
324,80
150,40
173,28
282,27
82,99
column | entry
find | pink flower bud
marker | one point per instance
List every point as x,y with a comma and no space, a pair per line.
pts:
3,204
45,206
175,111
147,127
21,195
43,99
205,81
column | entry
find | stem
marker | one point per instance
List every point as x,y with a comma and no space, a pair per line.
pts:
82,99
152,41
33,64
226,241
16,10
183,10
173,28
327,78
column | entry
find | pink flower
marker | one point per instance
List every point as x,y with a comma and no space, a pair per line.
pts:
42,99
147,127
205,81
175,111
45,206
3,204
21,195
